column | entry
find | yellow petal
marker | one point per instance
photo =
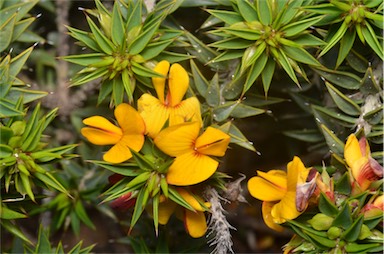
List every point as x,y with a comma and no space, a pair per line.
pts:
159,83
190,199
166,209
100,137
178,83
191,168
270,186
129,119
118,153
212,142
178,139
285,209
352,151
195,223
135,142
296,171
186,111
103,132
266,210
154,113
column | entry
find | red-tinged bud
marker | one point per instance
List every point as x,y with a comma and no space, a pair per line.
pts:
124,202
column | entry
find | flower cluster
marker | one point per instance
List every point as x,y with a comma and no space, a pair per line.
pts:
165,143
341,214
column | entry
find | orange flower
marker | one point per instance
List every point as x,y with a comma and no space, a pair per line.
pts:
193,163
130,134
169,106
194,221
364,168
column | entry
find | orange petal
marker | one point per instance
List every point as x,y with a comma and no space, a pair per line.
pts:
178,83
190,199
186,111
129,119
166,209
266,210
191,168
270,186
212,142
285,209
363,173
100,137
118,153
296,172
178,139
135,142
154,113
195,223
352,151
159,83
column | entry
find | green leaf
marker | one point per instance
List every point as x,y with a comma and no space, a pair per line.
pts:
247,10
82,214
232,43
326,206
212,95
135,15
27,185
222,112
340,78
139,206
125,169
89,74
6,31
117,25
321,242
104,43
323,114
145,36
227,55
84,38
154,49
267,74
242,111
306,135
21,9
283,60
228,17
300,55
352,233
20,27
245,33
237,137
18,62
361,247
51,181
335,38
264,11
346,44
333,142
371,38
344,103
177,198
13,229
43,244
293,29
8,214
199,80
251,54
255,70
86,59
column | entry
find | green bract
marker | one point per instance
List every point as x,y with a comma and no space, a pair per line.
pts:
263,34
348,18
124,45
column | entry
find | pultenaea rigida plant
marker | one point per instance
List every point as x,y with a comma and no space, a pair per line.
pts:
177,99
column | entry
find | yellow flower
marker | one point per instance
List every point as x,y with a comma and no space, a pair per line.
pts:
169,105
130,134
364,168
193,163
194,221
278,190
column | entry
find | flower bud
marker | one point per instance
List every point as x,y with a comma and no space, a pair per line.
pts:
333,232
321,221
364,232
18,128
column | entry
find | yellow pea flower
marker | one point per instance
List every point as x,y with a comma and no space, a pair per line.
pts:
364,168
169,104
130,134
194,221
279,191
193,163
